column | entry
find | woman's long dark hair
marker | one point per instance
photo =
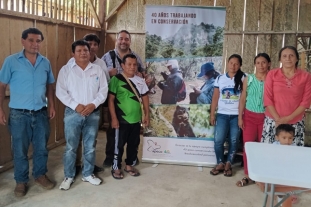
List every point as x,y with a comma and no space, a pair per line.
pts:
238,83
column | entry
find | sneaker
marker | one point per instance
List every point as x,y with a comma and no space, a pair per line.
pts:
66,184
97,169
92,179
44,182
20,189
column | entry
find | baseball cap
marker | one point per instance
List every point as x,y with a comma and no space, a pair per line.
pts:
173,63
205,68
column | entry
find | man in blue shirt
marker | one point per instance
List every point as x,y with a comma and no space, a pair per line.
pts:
31,81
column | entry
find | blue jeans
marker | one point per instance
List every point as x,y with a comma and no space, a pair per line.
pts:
75,124
226,124
26,128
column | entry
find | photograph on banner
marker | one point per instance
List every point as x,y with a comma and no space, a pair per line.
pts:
190,121
184,48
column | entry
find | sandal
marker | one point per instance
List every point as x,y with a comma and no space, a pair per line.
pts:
228,171
133,172
244,182
117,176
214,171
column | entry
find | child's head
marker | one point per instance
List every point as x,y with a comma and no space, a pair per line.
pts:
285,134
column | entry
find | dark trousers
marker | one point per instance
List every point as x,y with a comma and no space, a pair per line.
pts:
110,134
126,134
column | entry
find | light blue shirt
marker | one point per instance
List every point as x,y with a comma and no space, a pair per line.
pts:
207,92
28,83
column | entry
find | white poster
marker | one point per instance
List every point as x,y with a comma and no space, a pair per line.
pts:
179,40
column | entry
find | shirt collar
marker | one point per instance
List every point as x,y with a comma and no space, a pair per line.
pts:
73,64
22,55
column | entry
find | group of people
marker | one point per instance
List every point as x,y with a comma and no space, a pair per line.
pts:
269,107
257,103
83,85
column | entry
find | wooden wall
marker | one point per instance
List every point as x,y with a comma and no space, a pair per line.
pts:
269,25
57,48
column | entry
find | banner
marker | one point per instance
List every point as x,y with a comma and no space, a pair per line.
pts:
183,44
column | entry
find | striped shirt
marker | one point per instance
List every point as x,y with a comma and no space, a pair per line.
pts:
109,63
254,98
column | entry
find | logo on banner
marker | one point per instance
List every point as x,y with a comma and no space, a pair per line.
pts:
155,147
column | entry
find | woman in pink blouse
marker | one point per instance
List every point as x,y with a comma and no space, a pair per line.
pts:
287,93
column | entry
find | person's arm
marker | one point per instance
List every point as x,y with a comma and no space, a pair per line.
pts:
101,94
107,59
50,96
214,105
269,97
145,100
2,96
112,110
242,103
62,92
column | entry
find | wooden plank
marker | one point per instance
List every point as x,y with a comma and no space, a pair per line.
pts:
285,15
193,2
122,17
249,52
166,2
115,10
266,15
304,15
152,2
264,44
101,12
83,12
290,39
59,9
5,137
131,10
141,12
234,44
5,4
94,13
110,42
17,26
252,15
276,45
224,54
225,3
207,3
46,19
42,27
28,6
180,2
236,15
140,45
72,10
5,45
17,2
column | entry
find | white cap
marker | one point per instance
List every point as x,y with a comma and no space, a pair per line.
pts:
173,63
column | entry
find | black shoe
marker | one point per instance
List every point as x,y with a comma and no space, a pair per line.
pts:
97,169
107,163
78,169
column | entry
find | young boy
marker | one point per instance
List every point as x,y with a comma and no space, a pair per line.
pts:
125,92
284,135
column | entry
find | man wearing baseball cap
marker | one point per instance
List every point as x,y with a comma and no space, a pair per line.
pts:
172,83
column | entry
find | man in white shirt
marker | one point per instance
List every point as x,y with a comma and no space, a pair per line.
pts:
81,87
94,43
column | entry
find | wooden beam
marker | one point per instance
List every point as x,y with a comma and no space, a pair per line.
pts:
114,10
93,12
45,19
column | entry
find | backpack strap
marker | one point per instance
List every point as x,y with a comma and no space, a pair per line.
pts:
113,57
